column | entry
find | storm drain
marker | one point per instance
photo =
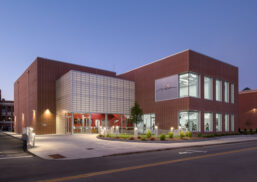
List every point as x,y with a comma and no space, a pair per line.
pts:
90,148
56,156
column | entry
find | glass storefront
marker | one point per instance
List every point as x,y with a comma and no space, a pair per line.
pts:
218,122
148,123
189,120
208,122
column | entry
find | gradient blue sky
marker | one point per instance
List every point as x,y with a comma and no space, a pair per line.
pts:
120,35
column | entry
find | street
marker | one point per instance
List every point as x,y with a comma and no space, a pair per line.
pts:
227,162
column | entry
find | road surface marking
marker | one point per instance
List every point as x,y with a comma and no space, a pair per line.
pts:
146,165
27,156
191,152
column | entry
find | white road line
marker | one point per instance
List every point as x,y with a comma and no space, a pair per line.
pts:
191,151
28,156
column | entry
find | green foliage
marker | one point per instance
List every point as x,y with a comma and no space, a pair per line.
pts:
181,134
108,135
199,134
189,134
148,134
136,114
170,134
143,138
162,137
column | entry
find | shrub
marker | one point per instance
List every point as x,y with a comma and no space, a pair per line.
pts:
148,134
189,134
117,137
100,136
131,138
170,134
139,137
152,138
199,134
108,135
181,134
143,138
162,137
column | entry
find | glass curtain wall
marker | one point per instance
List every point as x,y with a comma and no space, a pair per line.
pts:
208,122
147,123
218,122
218,90
189,85
226,92
226,122
189,120
208,88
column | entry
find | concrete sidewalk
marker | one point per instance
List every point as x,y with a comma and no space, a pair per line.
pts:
81,146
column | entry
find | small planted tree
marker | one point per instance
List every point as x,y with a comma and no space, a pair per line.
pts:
136,114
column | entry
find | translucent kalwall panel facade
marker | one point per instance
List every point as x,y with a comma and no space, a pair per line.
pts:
92,93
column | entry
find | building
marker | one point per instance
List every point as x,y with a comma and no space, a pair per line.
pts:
6,114
187,90
47,86
248,110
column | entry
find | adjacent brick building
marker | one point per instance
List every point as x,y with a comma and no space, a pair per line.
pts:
6,114
187,90
248,110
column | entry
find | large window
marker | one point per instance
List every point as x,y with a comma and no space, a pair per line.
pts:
226,122
190,121
189,85
232,93
208,88
218,90
218,122
148,123
232,122
208,122
226,92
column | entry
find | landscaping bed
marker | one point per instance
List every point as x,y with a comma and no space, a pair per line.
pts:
183,136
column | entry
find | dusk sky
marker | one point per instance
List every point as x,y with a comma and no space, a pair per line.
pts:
120,35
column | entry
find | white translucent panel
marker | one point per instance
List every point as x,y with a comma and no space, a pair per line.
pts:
226,92
218,122
226,122
218,90
208,122
232,93
208,88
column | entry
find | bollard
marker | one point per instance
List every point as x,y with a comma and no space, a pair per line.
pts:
156,131
135,132
117,131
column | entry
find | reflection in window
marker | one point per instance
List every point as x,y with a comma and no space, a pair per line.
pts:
208,122
226,122
218,122
226,92
189,85
208,88
218,90
232,93
232,122
190,121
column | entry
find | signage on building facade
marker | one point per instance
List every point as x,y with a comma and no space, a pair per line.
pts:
166,88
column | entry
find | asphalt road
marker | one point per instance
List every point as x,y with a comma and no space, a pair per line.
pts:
229,162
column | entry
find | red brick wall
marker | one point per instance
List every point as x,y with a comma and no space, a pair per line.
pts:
167,111
248,110
42,76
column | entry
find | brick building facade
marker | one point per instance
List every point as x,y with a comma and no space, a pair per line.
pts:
248,109
187,90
